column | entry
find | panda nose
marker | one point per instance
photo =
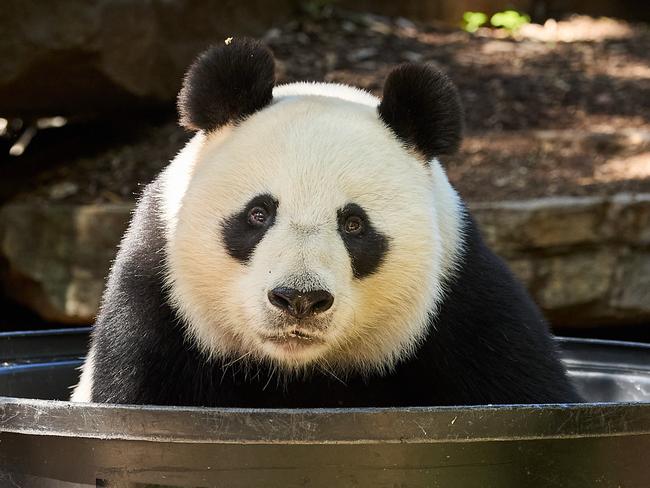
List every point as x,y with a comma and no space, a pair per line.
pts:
300,304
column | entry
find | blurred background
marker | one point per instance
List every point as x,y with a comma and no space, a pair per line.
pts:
555,164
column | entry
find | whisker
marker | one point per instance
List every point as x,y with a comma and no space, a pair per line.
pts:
330,372
270,378
234,361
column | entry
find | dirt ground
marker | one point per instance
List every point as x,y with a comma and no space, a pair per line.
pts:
559,109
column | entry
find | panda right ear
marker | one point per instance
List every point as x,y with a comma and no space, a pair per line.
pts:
422,107
226,83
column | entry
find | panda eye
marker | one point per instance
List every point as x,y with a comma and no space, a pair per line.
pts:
257,216
353,225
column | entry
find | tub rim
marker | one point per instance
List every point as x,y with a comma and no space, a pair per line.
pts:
203,425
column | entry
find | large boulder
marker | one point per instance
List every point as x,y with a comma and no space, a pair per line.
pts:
56,258
75,56
542,223
586,260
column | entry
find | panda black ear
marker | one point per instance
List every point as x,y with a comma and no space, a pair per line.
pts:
226,83
422,107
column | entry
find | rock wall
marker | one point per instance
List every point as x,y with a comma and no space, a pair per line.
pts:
54,259
585,260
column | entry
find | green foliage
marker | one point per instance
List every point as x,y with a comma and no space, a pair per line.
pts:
510,20
473,20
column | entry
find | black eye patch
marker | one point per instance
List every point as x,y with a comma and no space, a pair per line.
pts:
243,231
366,246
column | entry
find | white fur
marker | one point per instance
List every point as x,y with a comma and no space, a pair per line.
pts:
83,391
316,148
333,90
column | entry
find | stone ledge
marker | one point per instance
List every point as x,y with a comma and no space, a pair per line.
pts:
57,257
585,260
526,225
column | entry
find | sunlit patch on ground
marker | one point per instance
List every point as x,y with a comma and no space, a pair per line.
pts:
576,28
636,166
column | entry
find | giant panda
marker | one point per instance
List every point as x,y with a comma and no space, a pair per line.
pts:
306,249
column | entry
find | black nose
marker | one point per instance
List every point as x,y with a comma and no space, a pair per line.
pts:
300,304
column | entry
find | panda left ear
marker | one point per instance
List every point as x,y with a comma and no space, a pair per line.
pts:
226,83
421,106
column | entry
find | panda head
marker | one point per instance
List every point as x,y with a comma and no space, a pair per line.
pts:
309,225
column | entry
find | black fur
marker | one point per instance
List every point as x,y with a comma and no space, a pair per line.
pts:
366,249
490,344
226,83
422,107
238,235
136,326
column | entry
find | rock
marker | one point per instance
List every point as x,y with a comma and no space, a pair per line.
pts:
573,280
629,215
631,293
63,189
348,26
524,270
584,260
272,34
405,24
57,257
74,57
362,54
412,56
541,223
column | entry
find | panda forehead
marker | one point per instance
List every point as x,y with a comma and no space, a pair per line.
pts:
330,90
303,137
314,118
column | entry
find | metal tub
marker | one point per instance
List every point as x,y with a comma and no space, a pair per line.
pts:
53,443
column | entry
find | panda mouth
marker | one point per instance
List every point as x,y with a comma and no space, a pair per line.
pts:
294,336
